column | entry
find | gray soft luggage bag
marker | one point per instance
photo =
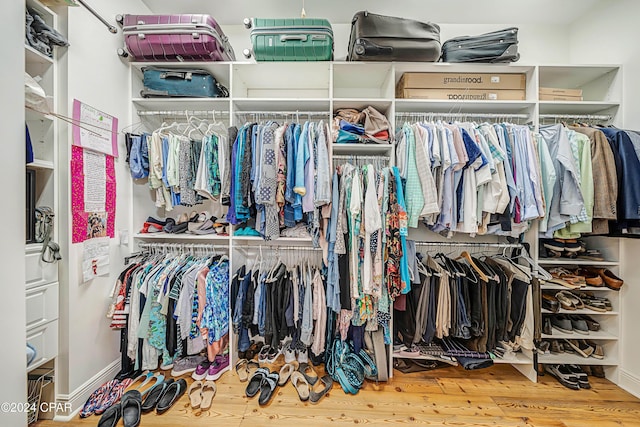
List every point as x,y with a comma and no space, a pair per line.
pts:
387,38
498,46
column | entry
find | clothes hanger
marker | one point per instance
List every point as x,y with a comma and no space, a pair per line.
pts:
466,256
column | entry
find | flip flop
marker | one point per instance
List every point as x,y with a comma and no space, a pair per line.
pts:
242,370
256,380
195,394
286,371
268,387
154,395
301,385
208,393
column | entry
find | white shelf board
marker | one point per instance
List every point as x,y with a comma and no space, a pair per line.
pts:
219,70
582,311
575,359
32,56
519,359
40,164
219,104
32,116
447,106
277,242
381,104
577,261
362,149
597,335
282,104
571,76
180,236
554,286
577,107
39,363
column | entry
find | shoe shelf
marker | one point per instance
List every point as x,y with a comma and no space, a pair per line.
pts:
556,287
517,359
567,261
575,359
597,335
585,311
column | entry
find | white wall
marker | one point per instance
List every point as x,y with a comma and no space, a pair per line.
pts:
609,34
538,43
12,264
98,77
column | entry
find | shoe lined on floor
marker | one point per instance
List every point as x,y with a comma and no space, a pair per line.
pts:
268,388
218,367
195,394
253,386
153,397
301,385
309,373
171,395
583,379
94,401
327,382
114,395
208,393
563,375
111,416
131,408
286,371
201,370
597,371
186,365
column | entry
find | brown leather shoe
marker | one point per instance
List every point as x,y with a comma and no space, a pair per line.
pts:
611,281
592,278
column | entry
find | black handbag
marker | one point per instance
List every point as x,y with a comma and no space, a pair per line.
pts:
387,38
498,46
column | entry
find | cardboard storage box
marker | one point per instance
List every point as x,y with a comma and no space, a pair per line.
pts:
549,97
462,81
560,91
464,94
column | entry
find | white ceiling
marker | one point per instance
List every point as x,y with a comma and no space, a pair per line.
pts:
341,11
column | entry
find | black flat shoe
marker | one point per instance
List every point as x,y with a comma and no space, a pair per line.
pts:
253,387
131,411
172,393
111,416
154,395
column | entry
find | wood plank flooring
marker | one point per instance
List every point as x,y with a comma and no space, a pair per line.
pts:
498,396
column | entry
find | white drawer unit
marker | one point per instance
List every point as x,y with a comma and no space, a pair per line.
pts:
42,305
37,271
44,340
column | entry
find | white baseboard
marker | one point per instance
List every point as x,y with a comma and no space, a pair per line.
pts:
630,382
79,396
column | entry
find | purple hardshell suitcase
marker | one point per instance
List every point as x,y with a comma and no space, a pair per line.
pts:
174,38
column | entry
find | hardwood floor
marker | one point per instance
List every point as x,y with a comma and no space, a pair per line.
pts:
498,396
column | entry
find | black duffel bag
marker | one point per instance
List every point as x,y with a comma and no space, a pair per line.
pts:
387,38
498,46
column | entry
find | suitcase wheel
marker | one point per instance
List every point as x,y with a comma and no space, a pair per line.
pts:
246,53
120,19
247,23
122,52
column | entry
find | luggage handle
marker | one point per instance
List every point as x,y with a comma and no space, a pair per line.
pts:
293,37
176,75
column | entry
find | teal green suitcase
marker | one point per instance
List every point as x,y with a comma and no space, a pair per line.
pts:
299,39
